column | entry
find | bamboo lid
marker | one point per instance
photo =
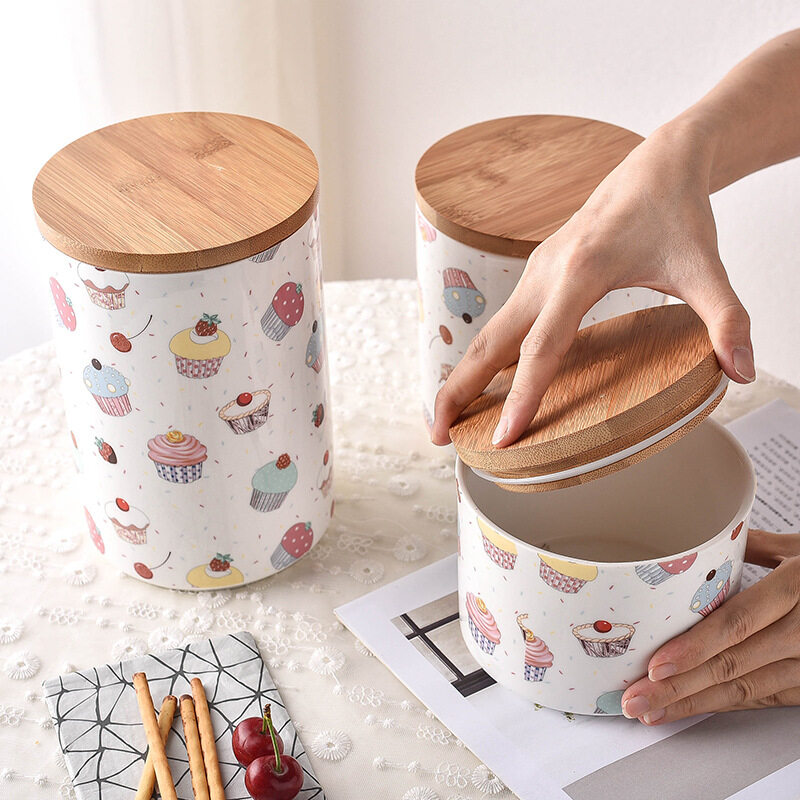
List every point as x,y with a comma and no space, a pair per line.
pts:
505,185
627,388
176,192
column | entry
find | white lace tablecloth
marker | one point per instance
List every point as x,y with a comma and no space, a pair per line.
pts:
62,608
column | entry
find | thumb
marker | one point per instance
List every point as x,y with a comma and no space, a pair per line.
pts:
728,326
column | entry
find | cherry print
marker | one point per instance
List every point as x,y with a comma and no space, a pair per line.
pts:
710,576
445,334
601,626
122,505
143,571
121,342
244,399
96,364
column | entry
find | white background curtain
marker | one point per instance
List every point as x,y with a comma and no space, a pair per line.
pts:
370,84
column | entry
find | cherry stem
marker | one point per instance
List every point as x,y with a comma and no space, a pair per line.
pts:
143,329
165,560
433,340
268,727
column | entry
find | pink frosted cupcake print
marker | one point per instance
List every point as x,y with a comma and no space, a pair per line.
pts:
284,312
538,658
482,624
296,542
178,457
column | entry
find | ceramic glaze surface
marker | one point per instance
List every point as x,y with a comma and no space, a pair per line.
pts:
460,288
568,611
205,456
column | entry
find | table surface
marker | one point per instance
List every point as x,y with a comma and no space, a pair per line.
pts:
62,608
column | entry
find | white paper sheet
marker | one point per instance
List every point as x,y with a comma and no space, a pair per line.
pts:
541,753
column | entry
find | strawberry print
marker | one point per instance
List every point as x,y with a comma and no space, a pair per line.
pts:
106,450
220,562
207,325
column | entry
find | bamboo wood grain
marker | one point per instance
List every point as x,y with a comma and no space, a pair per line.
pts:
176,192
165,717
193,749
505,185
166,787
622,381
207,742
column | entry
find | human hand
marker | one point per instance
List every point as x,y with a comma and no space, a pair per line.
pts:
746,654
649,223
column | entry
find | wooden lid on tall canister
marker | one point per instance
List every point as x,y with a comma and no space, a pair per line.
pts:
505,185
176,192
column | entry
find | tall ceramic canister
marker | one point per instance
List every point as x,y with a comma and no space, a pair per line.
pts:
487,195
186,280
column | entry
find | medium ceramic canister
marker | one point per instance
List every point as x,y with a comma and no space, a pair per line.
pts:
186,285
615,523
487,195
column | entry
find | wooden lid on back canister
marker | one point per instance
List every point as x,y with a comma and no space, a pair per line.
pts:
626,389
176,192
505,185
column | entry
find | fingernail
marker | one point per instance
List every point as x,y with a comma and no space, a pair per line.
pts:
662,671
500,431
635,707
743,363
654,716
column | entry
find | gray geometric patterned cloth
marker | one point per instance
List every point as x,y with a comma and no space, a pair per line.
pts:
100,730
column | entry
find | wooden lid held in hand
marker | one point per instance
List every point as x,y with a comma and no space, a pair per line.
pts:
176,192
505,185
623,382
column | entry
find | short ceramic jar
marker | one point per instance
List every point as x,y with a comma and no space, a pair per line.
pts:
487,195
626,522
186,281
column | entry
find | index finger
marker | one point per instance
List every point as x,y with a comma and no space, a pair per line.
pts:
493,348
733,622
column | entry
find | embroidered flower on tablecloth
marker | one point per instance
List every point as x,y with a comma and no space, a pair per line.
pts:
232,620
366,570
164,638
421,793
80,574
129,647
22,665
331,745
10,715
213,599
63,616
10,629
66,790
63,542
364,695
362,648
409,548
143,610
196,620
326,660
452,775
486,781
403,485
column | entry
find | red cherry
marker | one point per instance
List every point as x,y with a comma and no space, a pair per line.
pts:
143,571
736,531
325,458
265,781
251,740
122,505
244,399
120,341
447,337
601,626
711,575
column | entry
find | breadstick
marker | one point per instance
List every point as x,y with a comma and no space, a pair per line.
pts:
193,749
165,717
207,743
160,764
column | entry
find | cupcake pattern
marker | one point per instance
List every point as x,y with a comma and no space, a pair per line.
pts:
272,483
461,296
482,624
284,312
664,570
175,395
105,287
602,639
499,548
109,387
538,658
565,576
248,412
178,457
713,592
296,542
199,350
